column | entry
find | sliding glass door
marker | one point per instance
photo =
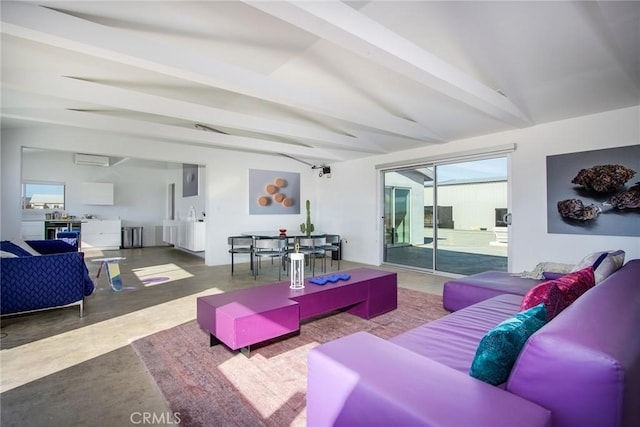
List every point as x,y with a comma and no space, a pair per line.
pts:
447,217
405,221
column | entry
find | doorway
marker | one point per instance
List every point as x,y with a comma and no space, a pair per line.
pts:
398,216
447,216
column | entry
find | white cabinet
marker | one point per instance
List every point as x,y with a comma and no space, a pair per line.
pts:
184,234
170,232
96,193
32,230
191,235
101,233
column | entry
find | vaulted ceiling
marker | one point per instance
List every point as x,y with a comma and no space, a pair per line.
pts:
318,81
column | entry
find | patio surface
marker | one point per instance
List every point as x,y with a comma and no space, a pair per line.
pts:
459,251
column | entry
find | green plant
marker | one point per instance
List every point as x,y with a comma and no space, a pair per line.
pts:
308,227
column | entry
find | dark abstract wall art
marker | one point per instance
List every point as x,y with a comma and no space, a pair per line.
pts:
594,192
189,180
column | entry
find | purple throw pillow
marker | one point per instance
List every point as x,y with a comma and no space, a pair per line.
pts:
550,275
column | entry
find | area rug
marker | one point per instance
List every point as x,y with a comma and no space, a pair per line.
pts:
214,386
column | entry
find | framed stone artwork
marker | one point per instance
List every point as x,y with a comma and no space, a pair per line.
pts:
594,192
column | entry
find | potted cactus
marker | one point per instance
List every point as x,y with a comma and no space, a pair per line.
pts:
307,227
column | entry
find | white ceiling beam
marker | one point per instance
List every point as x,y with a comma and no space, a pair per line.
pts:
126,99
346,27
58,29
147,130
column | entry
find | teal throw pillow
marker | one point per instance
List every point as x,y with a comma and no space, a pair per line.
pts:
500,347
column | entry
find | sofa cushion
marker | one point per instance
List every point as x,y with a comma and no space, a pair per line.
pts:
553,275
465,291
452,340
11,247
612,263
24,245
604,263
51,246
550,295
499,348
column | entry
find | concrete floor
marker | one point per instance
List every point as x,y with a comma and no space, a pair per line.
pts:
59,369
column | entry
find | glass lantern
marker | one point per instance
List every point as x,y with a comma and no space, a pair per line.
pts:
297,270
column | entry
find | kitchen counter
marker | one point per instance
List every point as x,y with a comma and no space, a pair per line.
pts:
101,234
54,226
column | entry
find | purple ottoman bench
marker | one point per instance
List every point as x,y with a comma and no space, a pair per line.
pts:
249,316
465,291
252,318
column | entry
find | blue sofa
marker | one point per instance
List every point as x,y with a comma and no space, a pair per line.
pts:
58,277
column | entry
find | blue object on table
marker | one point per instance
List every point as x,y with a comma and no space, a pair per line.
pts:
332,278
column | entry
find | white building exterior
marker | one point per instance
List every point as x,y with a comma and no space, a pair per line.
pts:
473,203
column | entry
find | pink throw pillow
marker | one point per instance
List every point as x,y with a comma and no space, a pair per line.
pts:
558,294
548,293
577,283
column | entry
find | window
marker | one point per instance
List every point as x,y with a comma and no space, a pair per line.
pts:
43,195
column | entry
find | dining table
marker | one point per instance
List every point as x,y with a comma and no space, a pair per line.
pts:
292,237
270,234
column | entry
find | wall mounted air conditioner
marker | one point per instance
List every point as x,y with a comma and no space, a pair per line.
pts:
91,160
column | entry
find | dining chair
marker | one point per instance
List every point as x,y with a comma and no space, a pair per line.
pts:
240,245
270,248
333,246
313,247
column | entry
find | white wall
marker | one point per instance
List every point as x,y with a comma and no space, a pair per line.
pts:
349,203
351,199
225,181
228,185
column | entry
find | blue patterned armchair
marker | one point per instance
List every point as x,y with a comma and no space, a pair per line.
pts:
58,277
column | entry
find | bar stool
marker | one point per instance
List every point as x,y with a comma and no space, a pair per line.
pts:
240,245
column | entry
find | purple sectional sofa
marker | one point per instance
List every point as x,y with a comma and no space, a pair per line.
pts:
580,369
467,290
462,292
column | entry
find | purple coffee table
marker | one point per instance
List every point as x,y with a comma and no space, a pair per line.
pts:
245,317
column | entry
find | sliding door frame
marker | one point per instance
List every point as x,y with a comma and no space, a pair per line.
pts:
433,162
